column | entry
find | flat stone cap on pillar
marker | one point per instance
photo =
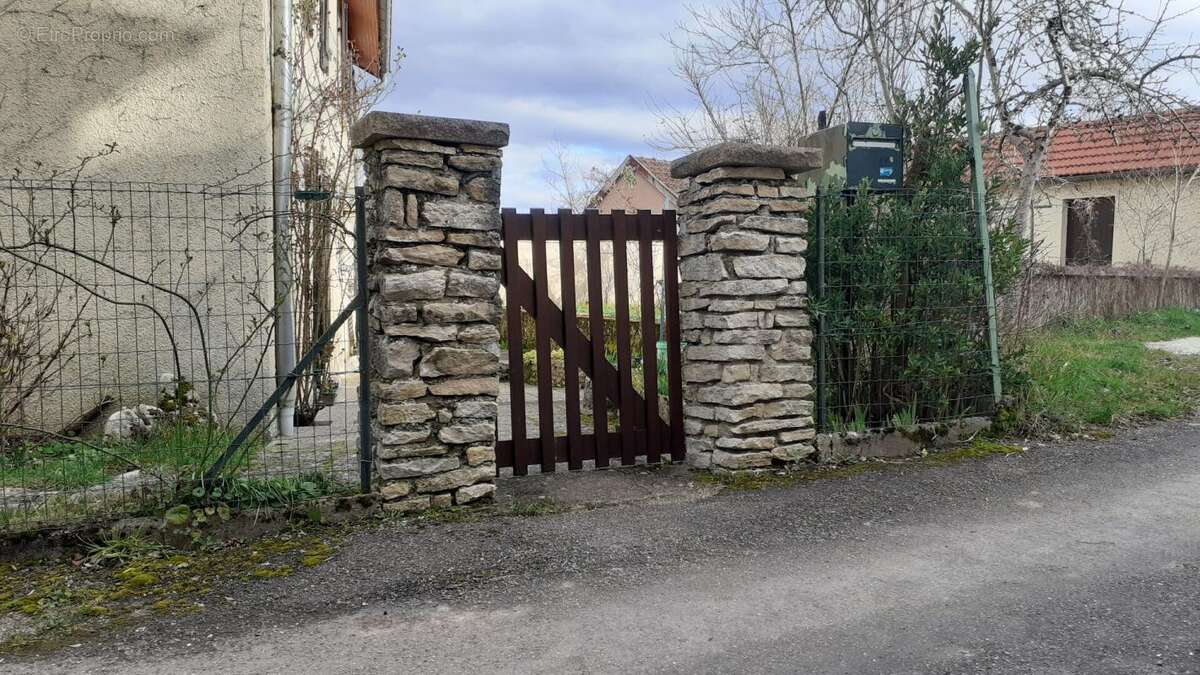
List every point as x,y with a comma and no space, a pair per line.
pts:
378,125
732,153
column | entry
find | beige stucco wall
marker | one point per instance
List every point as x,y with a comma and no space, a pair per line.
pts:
180,89
1141,226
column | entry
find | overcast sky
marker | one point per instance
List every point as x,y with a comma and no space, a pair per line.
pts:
586,73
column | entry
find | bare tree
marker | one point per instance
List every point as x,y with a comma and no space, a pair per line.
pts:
1050,63
573,183
1180,181
760,70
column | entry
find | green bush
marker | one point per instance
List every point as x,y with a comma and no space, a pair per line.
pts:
558,370
903,301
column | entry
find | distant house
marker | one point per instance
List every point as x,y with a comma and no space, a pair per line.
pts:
1110,191
639,183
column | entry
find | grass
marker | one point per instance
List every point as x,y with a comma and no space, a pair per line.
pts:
1099,373
273,492
66,465
857,421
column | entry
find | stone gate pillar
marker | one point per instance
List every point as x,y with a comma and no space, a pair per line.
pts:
433,226
747,367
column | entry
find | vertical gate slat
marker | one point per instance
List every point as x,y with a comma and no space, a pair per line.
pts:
671,316
644,429
566,251
624,358
649,335
545,382
516,370
600,382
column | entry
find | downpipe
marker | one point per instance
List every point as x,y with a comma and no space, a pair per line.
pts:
281,178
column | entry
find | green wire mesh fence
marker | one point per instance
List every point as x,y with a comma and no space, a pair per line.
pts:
898,296
136,338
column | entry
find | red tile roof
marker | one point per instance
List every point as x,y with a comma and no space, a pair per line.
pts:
1116,146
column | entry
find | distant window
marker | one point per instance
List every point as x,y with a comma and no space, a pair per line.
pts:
1090,230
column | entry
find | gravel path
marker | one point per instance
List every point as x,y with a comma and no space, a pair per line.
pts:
504,419
1189,346
1080,558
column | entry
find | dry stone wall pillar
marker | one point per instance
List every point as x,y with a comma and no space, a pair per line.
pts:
747,366
434,241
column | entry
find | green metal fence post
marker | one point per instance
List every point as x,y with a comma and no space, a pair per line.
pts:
819,294
362,334
973,124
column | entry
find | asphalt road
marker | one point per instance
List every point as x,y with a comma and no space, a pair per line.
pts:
1079,558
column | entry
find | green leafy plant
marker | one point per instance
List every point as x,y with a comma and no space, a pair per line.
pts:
905,417
857,422
119,549
903,300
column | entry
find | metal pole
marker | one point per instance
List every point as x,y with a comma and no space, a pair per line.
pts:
280,391
984,237
365,450
822,413
281,177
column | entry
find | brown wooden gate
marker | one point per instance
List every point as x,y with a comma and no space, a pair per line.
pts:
642,429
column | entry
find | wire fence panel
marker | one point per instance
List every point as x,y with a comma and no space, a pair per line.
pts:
137,337
899,295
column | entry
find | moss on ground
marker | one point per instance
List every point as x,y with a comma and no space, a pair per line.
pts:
66,600
979,449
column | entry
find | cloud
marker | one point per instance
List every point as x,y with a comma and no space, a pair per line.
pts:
583,74
525,184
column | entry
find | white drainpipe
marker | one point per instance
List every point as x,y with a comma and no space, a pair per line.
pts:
281,177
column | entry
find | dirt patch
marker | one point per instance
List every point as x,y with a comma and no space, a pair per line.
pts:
15,627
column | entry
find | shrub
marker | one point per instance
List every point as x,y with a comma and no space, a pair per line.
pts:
903,302
558,370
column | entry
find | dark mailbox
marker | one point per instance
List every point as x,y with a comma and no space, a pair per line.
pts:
858,151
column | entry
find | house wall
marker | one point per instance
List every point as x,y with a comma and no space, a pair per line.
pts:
640,193
180,90
1141,231
147,75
